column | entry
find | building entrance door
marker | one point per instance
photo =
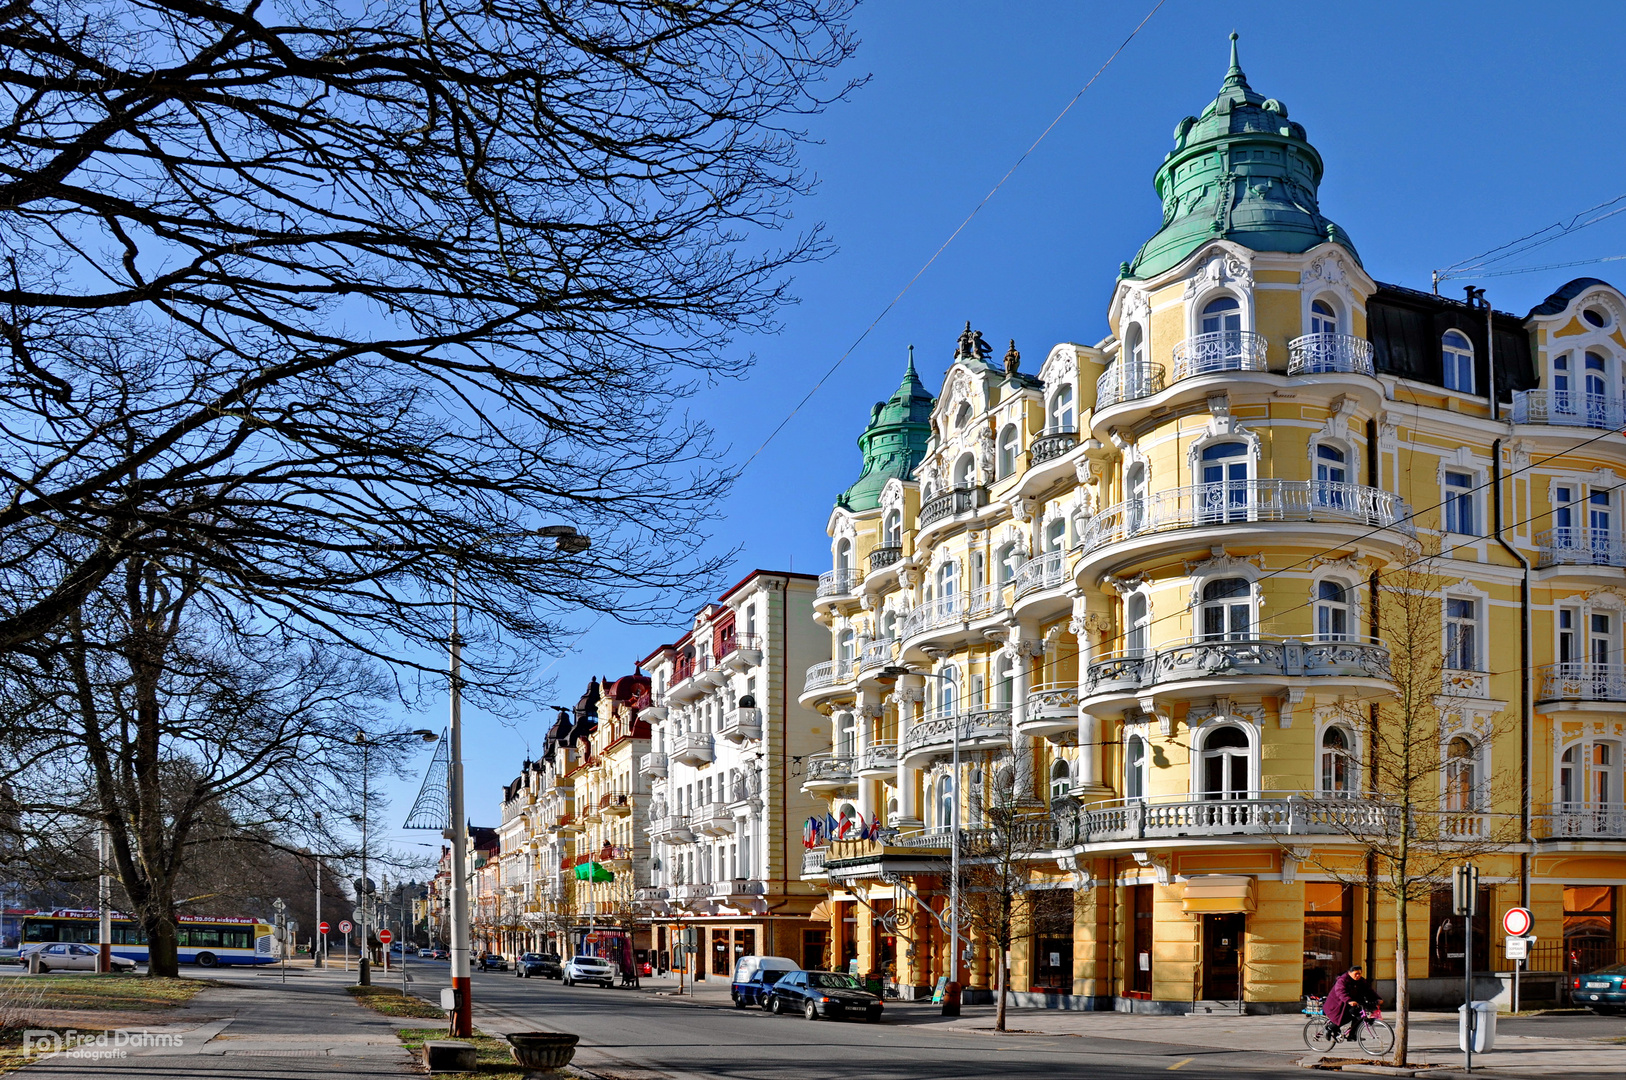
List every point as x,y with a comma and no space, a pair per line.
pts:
1222,956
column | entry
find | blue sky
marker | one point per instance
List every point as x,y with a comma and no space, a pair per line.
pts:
1446,129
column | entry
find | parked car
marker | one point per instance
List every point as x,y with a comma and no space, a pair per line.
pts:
65,956
754,977
828,994
493,962
1603,991
544,964
593,969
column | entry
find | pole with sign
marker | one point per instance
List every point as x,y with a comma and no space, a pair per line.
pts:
1516,923
345,928
1465,902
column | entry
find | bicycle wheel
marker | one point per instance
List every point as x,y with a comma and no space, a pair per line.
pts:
1376,1038
1316,1036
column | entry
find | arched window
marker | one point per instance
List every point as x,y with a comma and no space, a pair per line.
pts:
947,582
1225,763
1061,780
1004,793
962,415
1137,642
1135,768
965,471
1004,675
945,802
1596,386
1461,776
891,810
889,625
893,529
1227,611
1323,320
846,645
1007,560
949,692
1222,315
1055,535
1331,611
1331,477
1135,347
1224,493
1060,416
1135,483
846,735
1457,363
1010,447
844,554
1337,763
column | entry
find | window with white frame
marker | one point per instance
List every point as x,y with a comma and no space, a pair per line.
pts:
1462,633
1462,779
965,471
1004,679
844,554
1010,448
1055,534
950,691
1458,491
1059,417
1135,486
947,583
1137,642
1338,764
1224,469
846,735
1457,362
892,529
1224,760
1007,558
1331,476
1061,779
945,802
1227,609
962,415
1332,611
1323,319
979,570
1135,768
846,647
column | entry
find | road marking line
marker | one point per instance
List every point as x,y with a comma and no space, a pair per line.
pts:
1178,1064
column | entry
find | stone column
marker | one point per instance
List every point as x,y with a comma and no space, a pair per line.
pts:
1089,784
1022,649
868,719
908,696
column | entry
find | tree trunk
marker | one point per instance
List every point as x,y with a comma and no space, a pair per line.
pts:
1004,979
163,958
1402,984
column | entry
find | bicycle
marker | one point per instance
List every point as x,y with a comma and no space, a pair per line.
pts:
1372,1035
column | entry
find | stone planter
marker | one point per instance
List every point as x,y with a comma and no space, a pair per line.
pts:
542,1049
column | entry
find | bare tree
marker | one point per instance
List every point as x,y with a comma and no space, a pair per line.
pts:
1429,806
339,301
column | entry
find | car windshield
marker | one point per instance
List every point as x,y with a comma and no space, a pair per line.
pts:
828,981
589,960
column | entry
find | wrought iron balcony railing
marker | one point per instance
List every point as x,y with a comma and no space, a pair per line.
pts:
1232,657
1581,680
1045,571
1572,546
1126,382
1568,408
1221,350
839,582
828,673
1231,502
1322,354
1052,445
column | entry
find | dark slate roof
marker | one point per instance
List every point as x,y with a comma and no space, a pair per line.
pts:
1560,299
1405,326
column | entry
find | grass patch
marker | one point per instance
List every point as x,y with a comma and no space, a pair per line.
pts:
391,1002
103,993
491,1054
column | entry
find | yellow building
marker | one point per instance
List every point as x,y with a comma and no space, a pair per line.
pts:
1146,594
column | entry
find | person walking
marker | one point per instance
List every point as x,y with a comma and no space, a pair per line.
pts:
1350,995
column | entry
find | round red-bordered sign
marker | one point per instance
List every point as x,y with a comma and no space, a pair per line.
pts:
385,936
321,928
344,926
1517,921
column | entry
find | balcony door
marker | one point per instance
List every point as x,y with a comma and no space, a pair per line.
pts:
1331,474
1224,494
1599,526
1225,764
1595,381
1564,518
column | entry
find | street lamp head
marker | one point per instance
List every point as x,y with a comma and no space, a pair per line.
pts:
426,735
566,538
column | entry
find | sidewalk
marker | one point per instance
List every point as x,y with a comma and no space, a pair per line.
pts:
1433,1035
256,1026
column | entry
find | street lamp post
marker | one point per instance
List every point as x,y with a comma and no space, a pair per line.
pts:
571,542
364,886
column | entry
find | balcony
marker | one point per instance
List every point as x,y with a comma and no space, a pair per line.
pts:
652,895
693,748
951,504
1268,814
1238,502
1329,354
1224,659
827,773
712,819
1126,382
883,557
738,725
1568,408
687,681
655,710
813,862
1458,683
1220,351
692,892
1582,821
880,758
840,582
652,764
983,729
1579,547
1580,680
615,805
1051,709
876,654
740,651
1047,571
1052,445
828,673
671,829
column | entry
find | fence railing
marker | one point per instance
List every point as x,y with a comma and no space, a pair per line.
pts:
1573,546
1573,957
952,503
1583,681
1582,820
839,582
828,673
1126,382
1044,571
1220,657
1220,350
1568,408
982,725
1318,354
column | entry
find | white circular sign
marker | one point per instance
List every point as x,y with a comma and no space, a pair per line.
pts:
345,927
1517,921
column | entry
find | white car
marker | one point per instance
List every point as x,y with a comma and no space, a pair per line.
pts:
591,969
64,956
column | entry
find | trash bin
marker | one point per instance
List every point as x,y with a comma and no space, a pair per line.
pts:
1484,1014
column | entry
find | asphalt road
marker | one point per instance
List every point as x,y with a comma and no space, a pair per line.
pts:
644,1037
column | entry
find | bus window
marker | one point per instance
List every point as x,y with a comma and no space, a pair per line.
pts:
128,934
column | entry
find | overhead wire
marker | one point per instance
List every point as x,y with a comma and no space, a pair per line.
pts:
1558,230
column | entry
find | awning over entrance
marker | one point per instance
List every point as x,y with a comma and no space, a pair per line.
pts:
820,912
1214,894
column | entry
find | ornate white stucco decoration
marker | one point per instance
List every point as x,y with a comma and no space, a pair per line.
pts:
1328,270
1060,367
1220,269
1217,564
1337,425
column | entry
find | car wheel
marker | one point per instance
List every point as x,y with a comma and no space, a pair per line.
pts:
767,1004
776,1006
207,960
810,1010
44,970
739,1002
567,981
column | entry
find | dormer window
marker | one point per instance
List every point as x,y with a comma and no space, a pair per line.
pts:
1457,362
962,416
1010,445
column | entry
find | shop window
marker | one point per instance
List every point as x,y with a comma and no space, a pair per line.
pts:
1329,934
1589,927
1140,960
1446,938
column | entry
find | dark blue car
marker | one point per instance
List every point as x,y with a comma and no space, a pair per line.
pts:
754,977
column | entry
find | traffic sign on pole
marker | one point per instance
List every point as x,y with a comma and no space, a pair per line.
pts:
1517,921
345,927
385,936
321,928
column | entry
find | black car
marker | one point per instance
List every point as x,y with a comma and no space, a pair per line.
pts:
546,965
493,962
828,994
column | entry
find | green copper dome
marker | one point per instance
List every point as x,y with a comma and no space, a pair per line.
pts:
893,443
1242,171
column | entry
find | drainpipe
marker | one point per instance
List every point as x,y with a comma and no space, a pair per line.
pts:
1526,724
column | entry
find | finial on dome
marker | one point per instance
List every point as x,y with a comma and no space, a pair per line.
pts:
1235,71
911,369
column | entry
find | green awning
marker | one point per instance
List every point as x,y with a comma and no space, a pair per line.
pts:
592,871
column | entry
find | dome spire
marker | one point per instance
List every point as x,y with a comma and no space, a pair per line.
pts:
894,441
1234,76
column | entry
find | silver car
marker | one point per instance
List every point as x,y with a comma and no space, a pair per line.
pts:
590,969
66,956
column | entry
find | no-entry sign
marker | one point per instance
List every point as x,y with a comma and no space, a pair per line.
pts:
321,928
345,927
1517,922
385,936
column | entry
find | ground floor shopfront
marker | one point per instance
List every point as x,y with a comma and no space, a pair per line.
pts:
719,941
1256,928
